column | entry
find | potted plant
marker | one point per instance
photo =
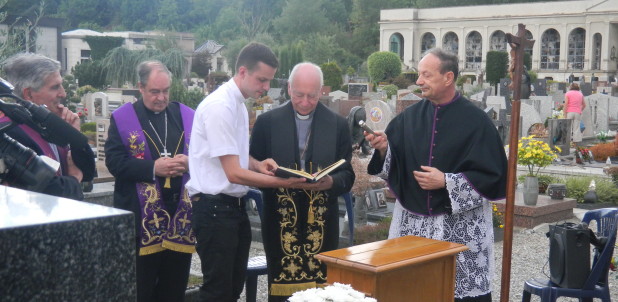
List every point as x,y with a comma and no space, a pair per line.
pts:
582,155
534,154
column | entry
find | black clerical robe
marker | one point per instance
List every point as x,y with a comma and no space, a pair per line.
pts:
292,232
128,170
456,137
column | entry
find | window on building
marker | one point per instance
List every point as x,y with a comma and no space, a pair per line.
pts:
596,51
550,49
428,42
85,54
528,48
577,43
396,44
450,43
474,51
497,41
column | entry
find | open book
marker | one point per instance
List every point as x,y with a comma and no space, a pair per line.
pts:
287,172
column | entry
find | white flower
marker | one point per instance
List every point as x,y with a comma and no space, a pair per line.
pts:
334,293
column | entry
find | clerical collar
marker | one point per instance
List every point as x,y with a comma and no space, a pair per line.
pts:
303,117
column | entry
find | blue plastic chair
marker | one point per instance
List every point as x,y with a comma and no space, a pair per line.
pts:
257,265
596,285
349,206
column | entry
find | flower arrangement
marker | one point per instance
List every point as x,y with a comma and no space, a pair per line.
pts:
557,114
603,136
333,293
497,216
535,154
582,155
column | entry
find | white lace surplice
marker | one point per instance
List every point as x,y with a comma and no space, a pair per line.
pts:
470,224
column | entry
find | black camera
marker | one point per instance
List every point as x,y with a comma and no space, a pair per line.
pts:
22,167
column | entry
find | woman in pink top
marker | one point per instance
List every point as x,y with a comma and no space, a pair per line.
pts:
574,104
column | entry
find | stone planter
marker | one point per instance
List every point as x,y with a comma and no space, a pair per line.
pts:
531,190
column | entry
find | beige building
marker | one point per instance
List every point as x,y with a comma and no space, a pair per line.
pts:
571,37
76,50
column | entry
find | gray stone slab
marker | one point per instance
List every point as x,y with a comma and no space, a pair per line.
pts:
57,249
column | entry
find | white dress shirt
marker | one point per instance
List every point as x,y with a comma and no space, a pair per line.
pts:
220,127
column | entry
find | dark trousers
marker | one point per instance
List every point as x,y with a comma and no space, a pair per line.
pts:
483,298
163,276
223,233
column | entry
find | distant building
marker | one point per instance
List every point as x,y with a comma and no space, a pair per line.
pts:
76,50
44,40
571,37
217,60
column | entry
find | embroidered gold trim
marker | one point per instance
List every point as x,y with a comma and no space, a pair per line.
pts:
279,289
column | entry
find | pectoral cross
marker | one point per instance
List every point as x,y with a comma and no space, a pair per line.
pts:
165,153
168,179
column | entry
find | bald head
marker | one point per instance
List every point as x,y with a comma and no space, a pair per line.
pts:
304,86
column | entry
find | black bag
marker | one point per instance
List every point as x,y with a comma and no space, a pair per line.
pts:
569,254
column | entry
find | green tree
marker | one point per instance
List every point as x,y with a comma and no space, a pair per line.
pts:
383,65
200,64
332,75
22,31
300,18
496,66
120,63
101,45
90,73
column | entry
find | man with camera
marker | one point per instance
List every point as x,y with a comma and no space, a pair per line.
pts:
37,79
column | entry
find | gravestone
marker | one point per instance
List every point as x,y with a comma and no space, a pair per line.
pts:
595,115
560,134
540,87
58,249
373,96
406,101
356,90
277,95
345,106
585,88
379,114
98,106
503,88
496,102
530,116
562,87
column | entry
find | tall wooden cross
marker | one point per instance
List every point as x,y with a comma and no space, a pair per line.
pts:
518,44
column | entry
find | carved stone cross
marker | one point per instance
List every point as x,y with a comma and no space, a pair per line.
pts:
518,44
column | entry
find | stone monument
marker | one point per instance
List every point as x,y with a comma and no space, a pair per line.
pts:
58,249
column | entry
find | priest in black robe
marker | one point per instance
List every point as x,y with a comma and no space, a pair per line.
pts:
304,135
444,161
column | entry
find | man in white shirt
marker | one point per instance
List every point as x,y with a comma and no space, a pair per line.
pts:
221,171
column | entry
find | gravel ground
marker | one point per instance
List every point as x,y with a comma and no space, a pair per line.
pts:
529,259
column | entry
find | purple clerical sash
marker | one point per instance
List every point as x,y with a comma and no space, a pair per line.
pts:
158,231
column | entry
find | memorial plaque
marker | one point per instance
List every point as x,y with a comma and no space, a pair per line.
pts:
379,114
355,90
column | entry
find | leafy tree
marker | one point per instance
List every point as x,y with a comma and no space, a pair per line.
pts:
101,45
383,65
90,73
332,75
496,66
14,39
200,64
79,11
390,90
300,18
527,60
179,93
120,63
167,15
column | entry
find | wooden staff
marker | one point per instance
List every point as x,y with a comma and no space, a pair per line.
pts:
518,44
